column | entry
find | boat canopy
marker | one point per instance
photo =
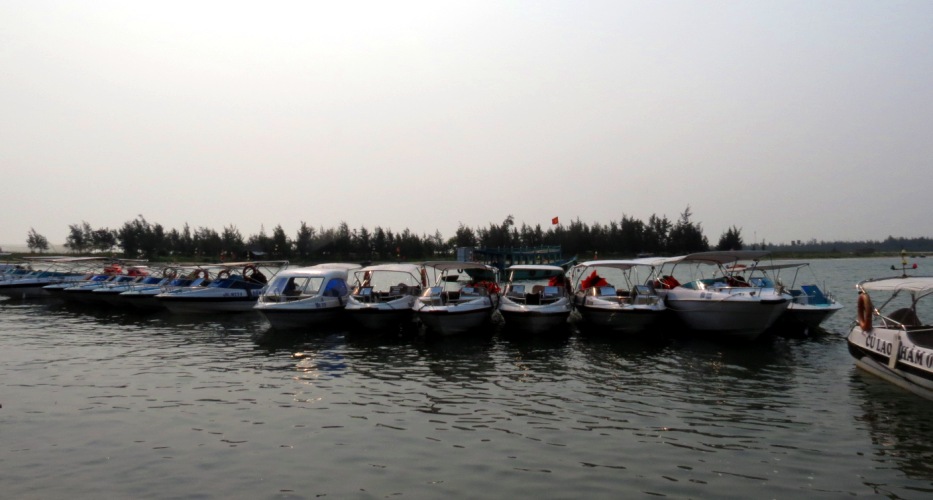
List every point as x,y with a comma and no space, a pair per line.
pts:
320,270
535,267
720,257
526,272
446,265
402,268
625,264
920,285
337,265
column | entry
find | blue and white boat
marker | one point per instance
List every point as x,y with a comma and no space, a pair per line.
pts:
233,287
306,296
48,271
810,304
143,296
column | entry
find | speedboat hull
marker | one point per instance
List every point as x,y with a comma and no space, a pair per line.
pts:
810,316
454,320
143,300
32,288
901,357
381,315
728,315
624,319
204,301
296,318
535,320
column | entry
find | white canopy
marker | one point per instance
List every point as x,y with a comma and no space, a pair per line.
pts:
534,267
336,265
777,267
401,268
625,264
912,284
446,265
722,257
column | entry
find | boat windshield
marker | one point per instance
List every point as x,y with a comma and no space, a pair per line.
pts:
296,285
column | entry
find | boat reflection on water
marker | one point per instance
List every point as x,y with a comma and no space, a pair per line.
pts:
457,359
898,424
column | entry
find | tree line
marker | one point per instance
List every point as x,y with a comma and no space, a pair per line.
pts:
139,238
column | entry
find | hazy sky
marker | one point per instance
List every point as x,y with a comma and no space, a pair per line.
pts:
787,119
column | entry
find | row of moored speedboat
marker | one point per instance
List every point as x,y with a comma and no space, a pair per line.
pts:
730,294
726,293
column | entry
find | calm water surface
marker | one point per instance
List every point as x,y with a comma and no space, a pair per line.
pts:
99,403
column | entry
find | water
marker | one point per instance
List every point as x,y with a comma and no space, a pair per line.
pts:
104,404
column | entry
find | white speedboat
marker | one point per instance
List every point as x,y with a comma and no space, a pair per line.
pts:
84,292
114,275
306,296
384,294
809,306
143,297
464,297
112,293
712,299
233,287
616,295
45,272
58,289
536,298
891,341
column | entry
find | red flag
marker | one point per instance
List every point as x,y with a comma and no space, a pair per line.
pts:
555,220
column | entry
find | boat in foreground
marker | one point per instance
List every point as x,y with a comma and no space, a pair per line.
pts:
891,341
536,298
713,300
306,296
384,294
613,295
464,297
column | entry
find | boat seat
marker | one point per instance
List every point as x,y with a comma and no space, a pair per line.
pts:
923,338
814,295
905,316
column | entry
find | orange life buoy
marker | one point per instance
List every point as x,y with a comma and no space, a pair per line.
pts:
223,274
865,312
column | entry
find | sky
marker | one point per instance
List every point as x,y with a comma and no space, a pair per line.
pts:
790,120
